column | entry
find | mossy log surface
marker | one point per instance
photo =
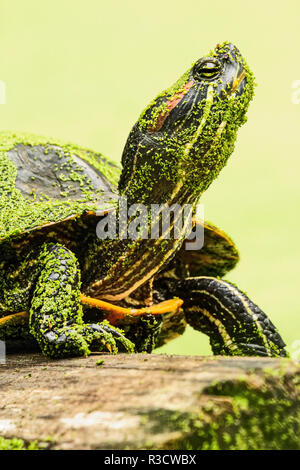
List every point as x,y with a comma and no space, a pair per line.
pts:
149,402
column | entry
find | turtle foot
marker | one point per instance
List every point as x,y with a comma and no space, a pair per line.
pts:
81,340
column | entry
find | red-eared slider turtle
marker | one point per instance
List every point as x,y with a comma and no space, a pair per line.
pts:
67,288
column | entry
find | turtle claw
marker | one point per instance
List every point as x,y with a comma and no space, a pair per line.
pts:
108,337
80,340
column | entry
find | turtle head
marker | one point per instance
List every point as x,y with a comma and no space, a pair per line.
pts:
185,136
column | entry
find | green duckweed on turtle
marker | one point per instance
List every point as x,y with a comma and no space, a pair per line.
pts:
68,291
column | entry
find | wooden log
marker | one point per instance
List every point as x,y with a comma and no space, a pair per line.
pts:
143,401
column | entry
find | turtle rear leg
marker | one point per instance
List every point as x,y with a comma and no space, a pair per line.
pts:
234,324
55,318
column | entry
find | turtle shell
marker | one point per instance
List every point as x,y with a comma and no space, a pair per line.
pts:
45,182
217,257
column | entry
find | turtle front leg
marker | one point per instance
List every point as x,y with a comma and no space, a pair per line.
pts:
235,325
55,316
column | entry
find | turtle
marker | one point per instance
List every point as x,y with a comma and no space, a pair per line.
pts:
78,276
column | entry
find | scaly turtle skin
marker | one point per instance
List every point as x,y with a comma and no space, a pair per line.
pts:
67,290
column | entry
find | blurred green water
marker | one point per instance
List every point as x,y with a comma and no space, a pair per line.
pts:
83,71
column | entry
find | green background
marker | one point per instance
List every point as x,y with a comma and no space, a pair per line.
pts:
82,71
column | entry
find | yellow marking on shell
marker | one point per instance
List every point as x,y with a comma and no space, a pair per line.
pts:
207,259
217,231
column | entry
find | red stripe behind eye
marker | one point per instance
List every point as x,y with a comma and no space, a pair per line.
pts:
170,104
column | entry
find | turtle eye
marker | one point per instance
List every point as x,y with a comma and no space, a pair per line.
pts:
207,69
